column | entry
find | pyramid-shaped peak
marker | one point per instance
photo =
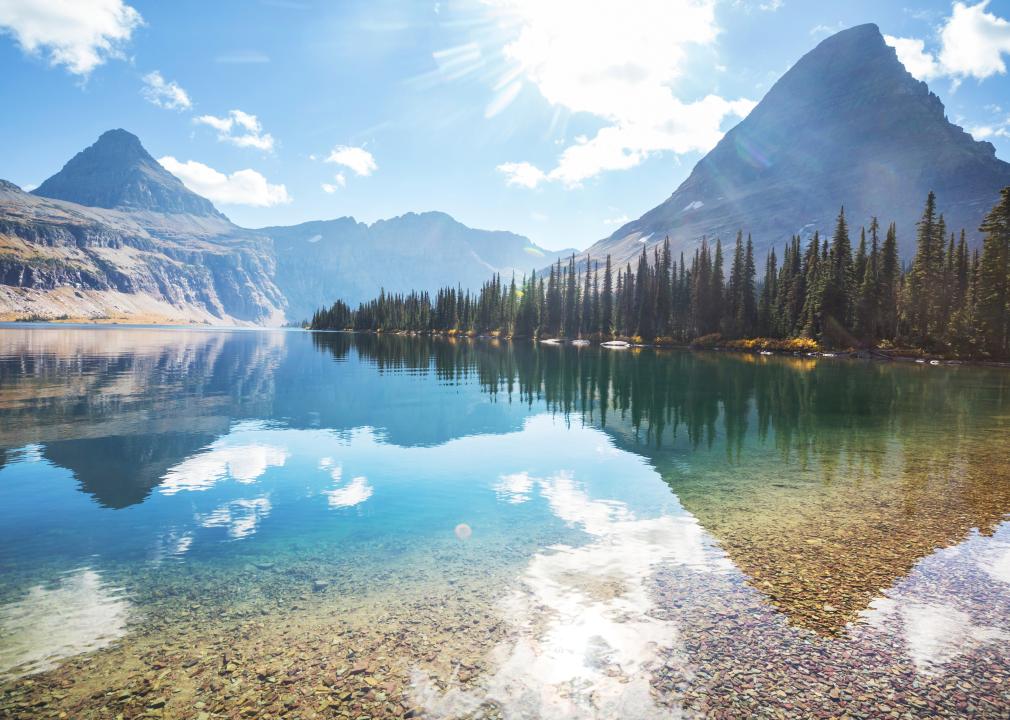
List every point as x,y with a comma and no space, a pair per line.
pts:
120,140
846,125
118,172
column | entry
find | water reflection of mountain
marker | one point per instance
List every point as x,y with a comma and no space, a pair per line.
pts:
119,407
825,481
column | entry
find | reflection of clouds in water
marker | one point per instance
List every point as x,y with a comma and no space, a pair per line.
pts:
935,623
514,488
997,564
586,642
171,544
28,454
241,517
244,463
80,614
934,633
354,493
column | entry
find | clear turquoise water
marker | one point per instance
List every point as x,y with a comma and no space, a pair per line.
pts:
645,527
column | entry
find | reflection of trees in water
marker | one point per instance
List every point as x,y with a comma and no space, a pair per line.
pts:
812,410
823,480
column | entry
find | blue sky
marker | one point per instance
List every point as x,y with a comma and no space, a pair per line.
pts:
557,120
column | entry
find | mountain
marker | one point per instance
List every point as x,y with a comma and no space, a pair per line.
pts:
318,262
847,125
115,235
117,172
59,258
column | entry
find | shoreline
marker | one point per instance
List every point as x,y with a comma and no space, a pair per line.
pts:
759,346
905,355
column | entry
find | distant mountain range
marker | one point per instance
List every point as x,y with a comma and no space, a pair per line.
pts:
847,125
114,234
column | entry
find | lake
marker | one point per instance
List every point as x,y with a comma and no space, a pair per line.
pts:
205,523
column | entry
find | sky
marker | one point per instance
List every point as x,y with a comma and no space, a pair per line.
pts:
556,119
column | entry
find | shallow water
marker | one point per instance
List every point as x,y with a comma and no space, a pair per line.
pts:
283,524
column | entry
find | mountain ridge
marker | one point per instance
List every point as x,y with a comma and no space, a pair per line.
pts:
845,125
114,235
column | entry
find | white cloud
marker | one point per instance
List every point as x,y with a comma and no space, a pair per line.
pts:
973,43
621,67
242,187
912,54
357,159
162,93
618,220
522,174
78,34
339,181
239,128
986,132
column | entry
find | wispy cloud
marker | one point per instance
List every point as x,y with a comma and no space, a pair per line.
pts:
522,174
620,67
357,159
242,187
80,35
240,129
339,181
163,93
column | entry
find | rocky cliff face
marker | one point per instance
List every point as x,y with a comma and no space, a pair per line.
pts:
847,125
59,258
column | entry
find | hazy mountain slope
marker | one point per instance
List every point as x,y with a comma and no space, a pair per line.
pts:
59,258
846,125
113,234
318,262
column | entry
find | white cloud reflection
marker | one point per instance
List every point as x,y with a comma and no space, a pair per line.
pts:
587,639
514,488
354,493
79,614
242,463
240,517
934,633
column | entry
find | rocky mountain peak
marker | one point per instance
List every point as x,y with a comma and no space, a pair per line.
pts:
117,172
846,125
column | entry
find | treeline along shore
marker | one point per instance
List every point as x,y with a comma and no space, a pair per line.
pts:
949,300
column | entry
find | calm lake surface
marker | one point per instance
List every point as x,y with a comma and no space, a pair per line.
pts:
202,524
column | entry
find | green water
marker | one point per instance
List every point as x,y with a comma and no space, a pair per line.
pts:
281,524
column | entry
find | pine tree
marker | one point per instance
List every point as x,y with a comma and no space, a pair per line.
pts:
607,302
923,275
748,307
993,311
836,293
586,319
664,292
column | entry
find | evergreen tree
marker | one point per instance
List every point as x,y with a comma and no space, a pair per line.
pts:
607,302
993,311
